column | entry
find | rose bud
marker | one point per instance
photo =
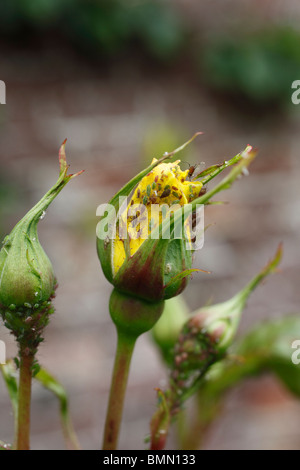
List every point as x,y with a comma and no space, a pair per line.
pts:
27,280
210,331
145,240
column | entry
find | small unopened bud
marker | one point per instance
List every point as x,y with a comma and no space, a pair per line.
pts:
27,281
166,330
208,334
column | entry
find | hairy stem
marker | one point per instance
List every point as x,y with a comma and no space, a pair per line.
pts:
23,428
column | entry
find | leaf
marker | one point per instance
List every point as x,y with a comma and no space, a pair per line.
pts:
8,371
50,383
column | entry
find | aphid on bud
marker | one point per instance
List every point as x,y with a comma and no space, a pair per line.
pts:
152,199
192,169
202,191
106,241
166,193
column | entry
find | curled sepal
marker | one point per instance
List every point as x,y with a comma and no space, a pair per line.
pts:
63,164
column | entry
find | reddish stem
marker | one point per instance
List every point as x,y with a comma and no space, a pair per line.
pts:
23,429
124,352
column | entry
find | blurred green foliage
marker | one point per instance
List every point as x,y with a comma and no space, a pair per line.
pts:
99,27
258,67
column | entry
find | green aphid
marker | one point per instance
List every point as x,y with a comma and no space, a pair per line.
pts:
145,200
177,201
148,190
175,194
153,185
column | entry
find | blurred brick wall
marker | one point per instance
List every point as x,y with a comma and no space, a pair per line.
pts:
105,114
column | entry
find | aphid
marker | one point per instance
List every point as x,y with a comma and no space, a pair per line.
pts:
152,199
106,241
166,193
138,193
202,191
191,171
194,219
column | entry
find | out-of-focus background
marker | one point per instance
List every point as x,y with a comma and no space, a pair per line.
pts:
125,81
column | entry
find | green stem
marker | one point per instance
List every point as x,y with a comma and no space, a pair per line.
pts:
124,352
23,429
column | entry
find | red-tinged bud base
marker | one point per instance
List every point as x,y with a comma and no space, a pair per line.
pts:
133,316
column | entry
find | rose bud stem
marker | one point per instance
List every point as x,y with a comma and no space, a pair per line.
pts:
132,317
